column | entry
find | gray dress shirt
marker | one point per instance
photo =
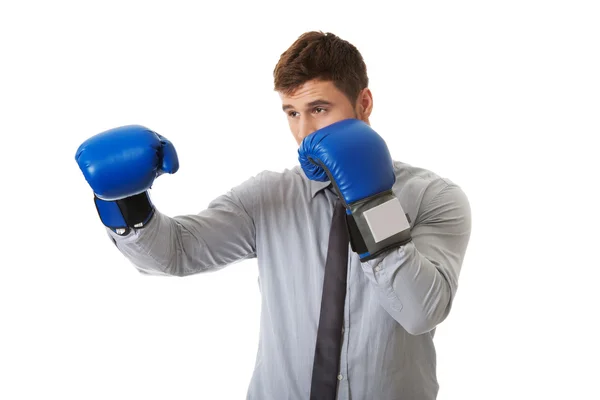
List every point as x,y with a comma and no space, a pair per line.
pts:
393,303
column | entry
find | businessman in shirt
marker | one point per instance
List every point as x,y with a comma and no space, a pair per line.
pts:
408,231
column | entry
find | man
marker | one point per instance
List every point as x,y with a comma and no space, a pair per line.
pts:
404,236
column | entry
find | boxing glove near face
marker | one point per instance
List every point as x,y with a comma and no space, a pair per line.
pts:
120,165
356,160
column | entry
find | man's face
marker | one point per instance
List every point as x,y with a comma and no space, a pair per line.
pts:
316,104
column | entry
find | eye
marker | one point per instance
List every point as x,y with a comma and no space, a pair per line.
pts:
292,114
318,110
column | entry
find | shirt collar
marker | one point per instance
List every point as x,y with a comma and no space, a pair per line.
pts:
315,186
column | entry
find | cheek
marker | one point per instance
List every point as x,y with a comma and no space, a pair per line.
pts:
291,124
344,112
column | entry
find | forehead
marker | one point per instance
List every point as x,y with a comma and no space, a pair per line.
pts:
311,90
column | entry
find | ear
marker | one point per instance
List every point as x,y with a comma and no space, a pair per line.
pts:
364,104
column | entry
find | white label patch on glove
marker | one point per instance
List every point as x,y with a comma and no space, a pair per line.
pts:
386,220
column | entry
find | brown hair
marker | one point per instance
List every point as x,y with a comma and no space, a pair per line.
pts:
323,56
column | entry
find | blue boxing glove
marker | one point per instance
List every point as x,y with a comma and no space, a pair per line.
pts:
351,155
120,165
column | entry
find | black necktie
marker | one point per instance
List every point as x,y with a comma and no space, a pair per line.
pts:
329,335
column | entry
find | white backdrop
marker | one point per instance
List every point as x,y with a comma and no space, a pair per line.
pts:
502,98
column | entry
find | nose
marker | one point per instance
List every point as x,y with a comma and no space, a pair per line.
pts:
305,128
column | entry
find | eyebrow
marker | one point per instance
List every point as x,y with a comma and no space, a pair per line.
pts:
314,103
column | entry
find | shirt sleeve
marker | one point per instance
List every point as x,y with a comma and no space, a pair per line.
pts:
418,281
221,234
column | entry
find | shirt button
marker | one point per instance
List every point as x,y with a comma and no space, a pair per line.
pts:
340,377
377,268
342,330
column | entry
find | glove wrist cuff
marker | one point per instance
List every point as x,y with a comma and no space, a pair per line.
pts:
377,224
123,215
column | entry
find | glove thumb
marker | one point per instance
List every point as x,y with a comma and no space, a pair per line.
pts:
168,155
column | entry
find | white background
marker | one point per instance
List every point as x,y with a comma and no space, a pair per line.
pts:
501,97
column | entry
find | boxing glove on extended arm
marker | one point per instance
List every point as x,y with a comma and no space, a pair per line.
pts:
356,160
120,165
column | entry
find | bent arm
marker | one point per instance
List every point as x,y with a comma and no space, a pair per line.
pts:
418,281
